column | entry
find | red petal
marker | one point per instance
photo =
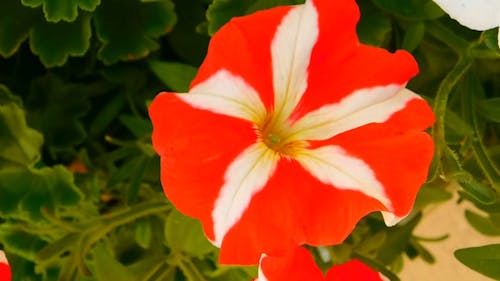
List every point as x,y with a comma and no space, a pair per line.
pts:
196,147
353,270
339,68
5,272
243,46
297,265
294,209
399,160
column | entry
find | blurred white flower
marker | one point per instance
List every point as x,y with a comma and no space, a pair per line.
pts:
474,14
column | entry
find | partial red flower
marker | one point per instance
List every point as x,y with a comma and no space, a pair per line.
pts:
298,265
291,132
5,271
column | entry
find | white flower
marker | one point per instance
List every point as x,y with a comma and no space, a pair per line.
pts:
474,14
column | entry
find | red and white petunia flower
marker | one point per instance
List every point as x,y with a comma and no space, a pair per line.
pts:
291,132
474,14
298,265
5,271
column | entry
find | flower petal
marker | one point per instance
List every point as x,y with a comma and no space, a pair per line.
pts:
5,270
227,94
196,148
374,105
245,176
294,208
400,160
353,270
242,47
332,165
291,51
332,78
475,14
297,265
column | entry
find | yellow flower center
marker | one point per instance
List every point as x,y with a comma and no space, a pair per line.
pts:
275,136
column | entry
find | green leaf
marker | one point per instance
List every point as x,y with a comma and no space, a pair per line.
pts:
15,24
221,11
143,233
19,143
128,29
139,126
57,10
55,42
185,234
486,225
413,36
480,192
23,192
484,260
491,39
373,27
23,244
107,267
488,108
430,194
60,124
397,240
176,76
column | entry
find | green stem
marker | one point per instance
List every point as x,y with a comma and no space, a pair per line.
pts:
448,37
376,266
441,102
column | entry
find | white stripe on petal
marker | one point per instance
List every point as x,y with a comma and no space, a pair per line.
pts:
246,175
374,105
261,276
391,219
227,94
475,14
3,258
332,165
291,52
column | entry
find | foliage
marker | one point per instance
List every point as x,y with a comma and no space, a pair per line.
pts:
80,194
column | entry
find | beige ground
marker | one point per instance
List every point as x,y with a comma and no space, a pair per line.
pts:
446,218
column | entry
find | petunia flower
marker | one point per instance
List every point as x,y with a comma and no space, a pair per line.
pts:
474,14
5,271
298,265
291,132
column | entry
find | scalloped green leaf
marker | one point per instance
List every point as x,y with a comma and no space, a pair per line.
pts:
484,260
15,24
56,42
60,125
129,29
66,10
221,11
19,143
24,192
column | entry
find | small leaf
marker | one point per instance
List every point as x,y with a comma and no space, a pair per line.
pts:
140,127
55,42
23,244
176,76
19,143
128,29
397,241
413,36
143,233
484,260
185,234
57,10
411,9
430,194
479,191
485,225
15,24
